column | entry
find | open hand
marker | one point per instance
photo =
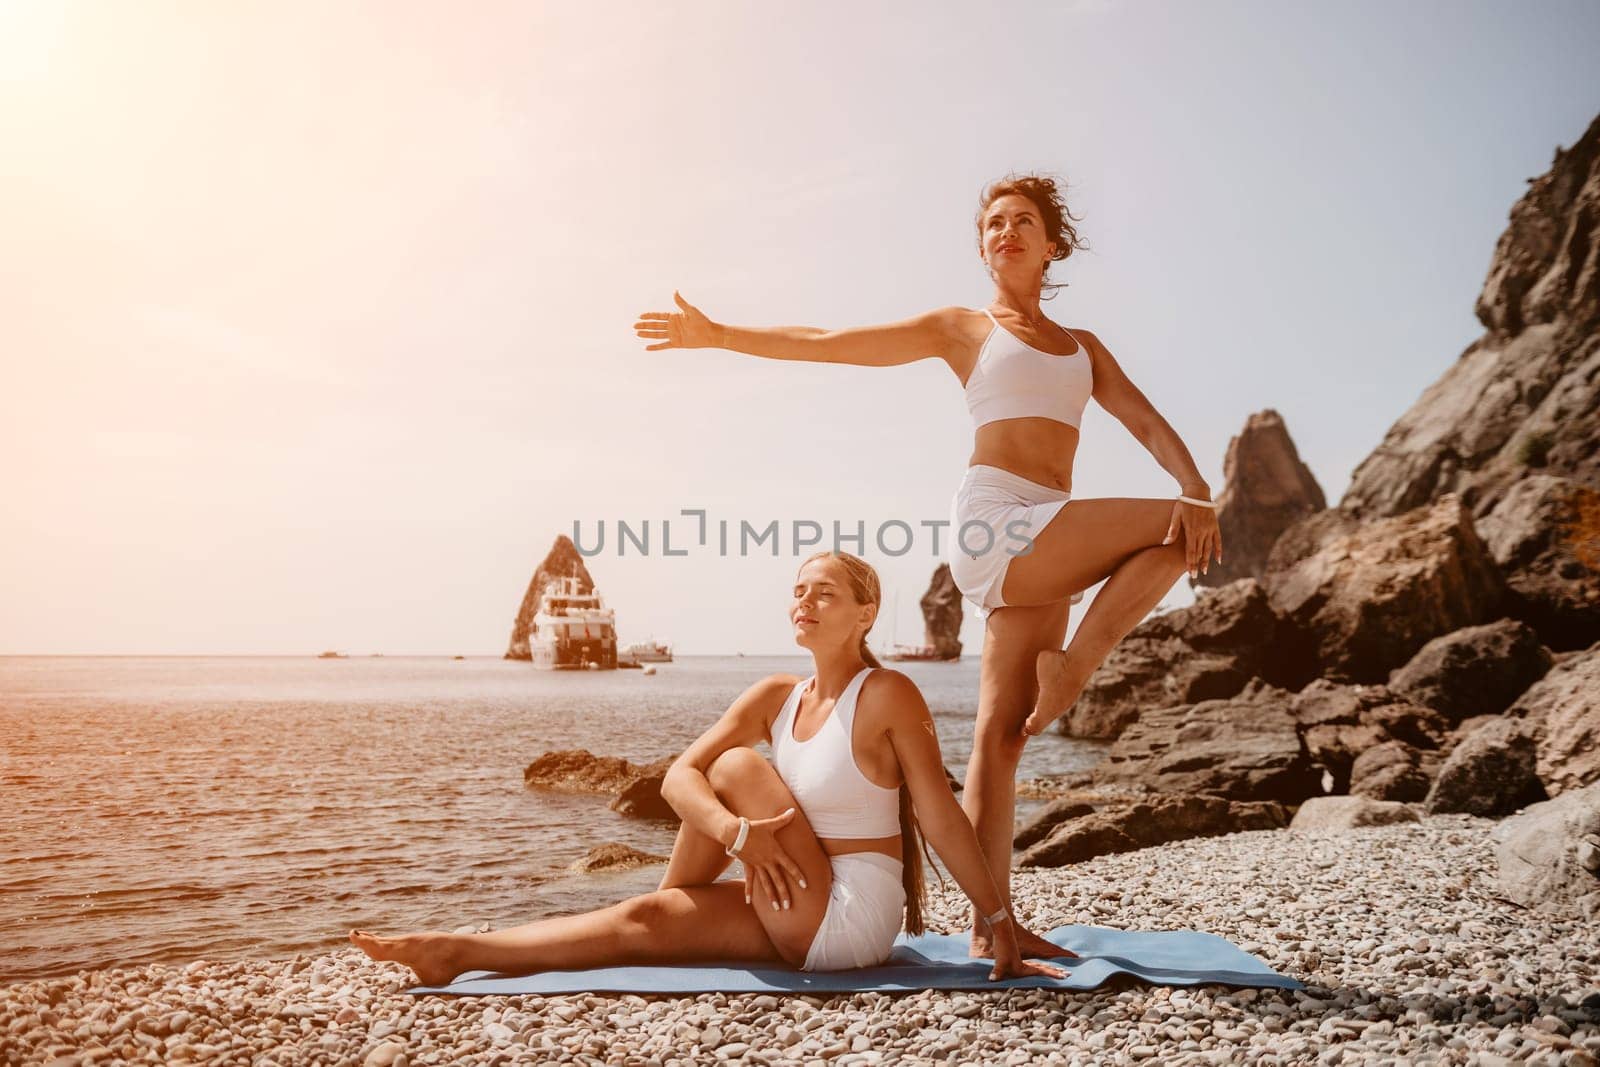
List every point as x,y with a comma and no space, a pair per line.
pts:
767,865
685,328
1202,537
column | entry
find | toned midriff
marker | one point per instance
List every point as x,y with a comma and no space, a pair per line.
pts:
1040,450
844,846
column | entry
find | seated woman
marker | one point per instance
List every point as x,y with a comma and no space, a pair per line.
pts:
828,832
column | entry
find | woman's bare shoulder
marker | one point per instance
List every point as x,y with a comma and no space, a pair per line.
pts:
892,696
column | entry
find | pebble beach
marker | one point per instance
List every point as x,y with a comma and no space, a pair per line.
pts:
1408,957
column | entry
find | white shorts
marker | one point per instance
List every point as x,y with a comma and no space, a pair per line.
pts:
994,518
866,911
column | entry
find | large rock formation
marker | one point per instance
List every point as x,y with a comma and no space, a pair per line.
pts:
942,606
1367,598
1523,398
1478,670
1266,490
1545,536
1242,748
1340,724
562,561
1207,651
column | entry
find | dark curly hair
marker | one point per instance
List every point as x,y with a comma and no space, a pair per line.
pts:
1041,189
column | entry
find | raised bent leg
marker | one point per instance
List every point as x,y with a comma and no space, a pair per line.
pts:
1116,540
1133,590
697,859
1006,690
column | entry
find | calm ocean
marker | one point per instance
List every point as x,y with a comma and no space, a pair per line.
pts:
164,809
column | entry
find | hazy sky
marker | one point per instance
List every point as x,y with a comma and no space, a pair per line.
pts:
316,320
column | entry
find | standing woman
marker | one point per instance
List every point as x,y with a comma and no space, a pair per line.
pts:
1020,549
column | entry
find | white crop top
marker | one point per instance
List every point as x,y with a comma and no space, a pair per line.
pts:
1014,380
837,799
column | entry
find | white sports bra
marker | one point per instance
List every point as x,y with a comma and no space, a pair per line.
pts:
837,799
1014,380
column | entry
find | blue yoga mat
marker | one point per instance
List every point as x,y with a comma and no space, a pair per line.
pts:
930,961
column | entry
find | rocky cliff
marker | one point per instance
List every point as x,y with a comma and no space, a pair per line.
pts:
1435,638
941,612
1524,397
1266,489
1514,425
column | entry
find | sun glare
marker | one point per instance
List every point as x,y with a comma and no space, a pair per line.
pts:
30,34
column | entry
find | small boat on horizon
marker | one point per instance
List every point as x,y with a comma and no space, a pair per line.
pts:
330,654
642,652
901,653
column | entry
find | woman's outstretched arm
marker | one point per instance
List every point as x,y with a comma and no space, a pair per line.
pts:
924,336
944,824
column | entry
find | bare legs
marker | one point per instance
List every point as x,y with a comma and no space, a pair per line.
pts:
1122,603
1006,690
697,859
686,919
1115,540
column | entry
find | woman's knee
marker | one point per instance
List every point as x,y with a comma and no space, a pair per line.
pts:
996,746
646,914
734,766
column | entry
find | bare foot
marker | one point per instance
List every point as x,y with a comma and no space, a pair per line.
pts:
1058,691
432,957
1031,944
1028,944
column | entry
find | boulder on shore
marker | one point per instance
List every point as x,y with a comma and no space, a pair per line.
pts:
1348,813
577,770
1146,823
1490,773
1477,670
1046,819
1243,748
1562,710
1207,651
1368,599
1394,771
1550,854
613,856
1339,724
642,799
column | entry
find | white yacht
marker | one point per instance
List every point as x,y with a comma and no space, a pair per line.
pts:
573,630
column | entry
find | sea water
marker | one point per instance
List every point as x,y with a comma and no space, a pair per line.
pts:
165,809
